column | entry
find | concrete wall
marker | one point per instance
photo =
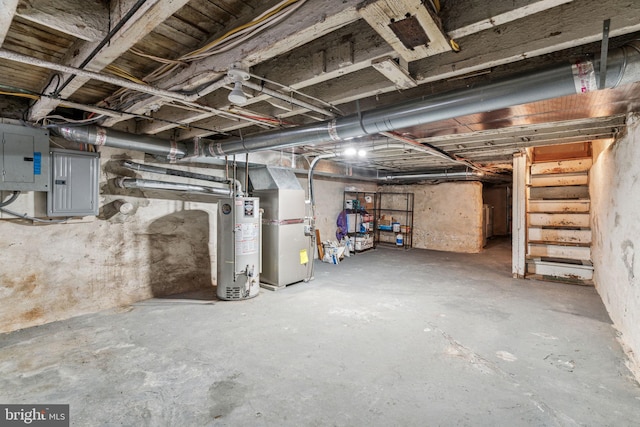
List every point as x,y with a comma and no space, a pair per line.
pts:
329,196
615,202
447,216
53,272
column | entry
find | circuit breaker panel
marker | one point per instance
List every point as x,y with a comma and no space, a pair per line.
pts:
74,185
24,159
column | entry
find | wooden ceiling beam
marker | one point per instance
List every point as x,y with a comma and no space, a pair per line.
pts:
467,17
86,20
150,14
417,35
320,61
7,12
314,19
533,35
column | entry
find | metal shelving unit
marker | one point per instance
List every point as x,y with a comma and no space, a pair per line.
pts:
394,208
360,230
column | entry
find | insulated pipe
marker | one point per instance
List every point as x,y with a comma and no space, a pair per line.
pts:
173,186
112,138
562,80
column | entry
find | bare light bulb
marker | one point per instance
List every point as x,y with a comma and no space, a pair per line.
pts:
350,151
362,153
237,96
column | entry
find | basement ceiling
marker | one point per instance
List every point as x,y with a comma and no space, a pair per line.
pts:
311,61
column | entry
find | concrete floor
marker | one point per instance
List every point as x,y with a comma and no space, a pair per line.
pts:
386,338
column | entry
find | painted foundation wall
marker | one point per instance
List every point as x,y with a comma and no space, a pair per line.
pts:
447,216
329,195
615,202
54,272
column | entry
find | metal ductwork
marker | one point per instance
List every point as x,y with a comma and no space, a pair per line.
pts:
149,184
562,80
112,138
623,67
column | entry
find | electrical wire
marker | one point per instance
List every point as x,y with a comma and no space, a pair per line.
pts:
117,71
223,43
47,122
156,58
30,218
12,199
20,95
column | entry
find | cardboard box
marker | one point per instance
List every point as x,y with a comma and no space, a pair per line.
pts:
361,243
384,221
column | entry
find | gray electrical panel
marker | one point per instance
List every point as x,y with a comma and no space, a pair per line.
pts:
24,158
74,183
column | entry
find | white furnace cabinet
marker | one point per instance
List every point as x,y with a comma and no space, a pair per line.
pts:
284,242
74,183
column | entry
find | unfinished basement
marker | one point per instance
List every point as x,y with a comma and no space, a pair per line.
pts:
315,212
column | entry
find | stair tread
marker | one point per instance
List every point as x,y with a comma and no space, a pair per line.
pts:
559,243
560,280
559,263
568,261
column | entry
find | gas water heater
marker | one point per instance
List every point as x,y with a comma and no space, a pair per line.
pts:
238,251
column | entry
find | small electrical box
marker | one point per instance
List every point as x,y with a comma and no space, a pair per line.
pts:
24,158
74,183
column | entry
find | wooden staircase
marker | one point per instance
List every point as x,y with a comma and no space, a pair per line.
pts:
558,228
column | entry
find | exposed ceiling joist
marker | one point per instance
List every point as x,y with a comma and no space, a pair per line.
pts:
148,16
86,20
537,35
408,26
463,9
314,20
7,12
399,76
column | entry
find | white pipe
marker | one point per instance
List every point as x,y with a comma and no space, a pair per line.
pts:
283,97
29,60
439,175
172,186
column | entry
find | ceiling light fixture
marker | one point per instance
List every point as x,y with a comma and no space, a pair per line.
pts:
350,152
237,76
362,153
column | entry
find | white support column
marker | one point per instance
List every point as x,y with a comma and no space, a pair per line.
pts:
519,235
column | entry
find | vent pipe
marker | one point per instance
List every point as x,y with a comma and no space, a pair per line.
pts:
562,80
171,186
112,138
185,174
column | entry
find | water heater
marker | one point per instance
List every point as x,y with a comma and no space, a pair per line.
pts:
238,251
